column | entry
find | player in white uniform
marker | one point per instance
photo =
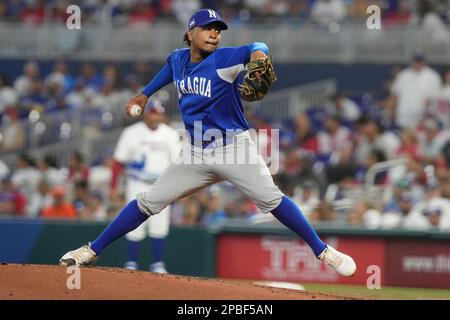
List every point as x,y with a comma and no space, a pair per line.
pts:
145,149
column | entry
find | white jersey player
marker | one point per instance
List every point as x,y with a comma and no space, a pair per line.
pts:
144,150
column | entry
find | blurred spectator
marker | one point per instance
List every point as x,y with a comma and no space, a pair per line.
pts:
409,146
343,107
213,214
95,209
357,9
8,96
40,199
80,197
143,72
34,13
432,212
376,156
241,209
297,167
335,148
90,77
12,132
59,208
35,98
4,170
401,15
445,186
191,213
261,135
365,215
372,136
410,152
60,77
26,178
12,201
411,90
334,138
76,97
141,13
307,197
100,175
323,213
3,9
78,171
184,9
23,83
439,105
257,8
432,140
50,171
398,213
437,214
431,23
415,216
305,135
325,12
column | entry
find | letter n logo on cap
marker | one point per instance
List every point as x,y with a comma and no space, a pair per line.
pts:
212,14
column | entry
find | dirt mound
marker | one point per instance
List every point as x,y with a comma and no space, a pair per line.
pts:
50,283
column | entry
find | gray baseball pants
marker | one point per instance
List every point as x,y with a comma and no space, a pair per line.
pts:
195,168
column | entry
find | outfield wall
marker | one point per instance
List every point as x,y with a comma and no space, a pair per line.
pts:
416,259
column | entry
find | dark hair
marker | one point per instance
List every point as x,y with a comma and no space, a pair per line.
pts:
26,158
378,155
186,40
76,155
4,80
82,184
50,161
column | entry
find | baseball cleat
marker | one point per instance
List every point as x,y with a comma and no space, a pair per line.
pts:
342,263
131,265
158,267
83,256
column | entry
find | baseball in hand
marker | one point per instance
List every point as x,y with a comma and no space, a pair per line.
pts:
135,110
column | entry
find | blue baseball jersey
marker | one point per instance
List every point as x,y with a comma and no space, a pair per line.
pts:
207,90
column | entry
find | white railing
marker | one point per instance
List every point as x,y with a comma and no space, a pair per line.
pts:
288,103
45,133
90,147
288,42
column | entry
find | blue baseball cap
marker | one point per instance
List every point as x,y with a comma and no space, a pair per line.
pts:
204,17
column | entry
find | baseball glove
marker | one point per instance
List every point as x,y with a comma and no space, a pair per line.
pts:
251,89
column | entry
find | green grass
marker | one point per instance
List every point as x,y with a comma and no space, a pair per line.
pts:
387,293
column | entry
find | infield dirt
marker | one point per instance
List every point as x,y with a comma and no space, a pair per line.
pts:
46,282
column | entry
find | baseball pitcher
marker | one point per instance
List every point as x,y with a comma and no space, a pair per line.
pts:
210,88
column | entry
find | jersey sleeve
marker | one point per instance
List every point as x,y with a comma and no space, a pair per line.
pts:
164,77
123,147
232,56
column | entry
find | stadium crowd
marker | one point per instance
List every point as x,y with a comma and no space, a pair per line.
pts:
325,152
322,12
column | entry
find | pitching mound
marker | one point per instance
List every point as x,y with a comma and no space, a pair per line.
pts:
50,283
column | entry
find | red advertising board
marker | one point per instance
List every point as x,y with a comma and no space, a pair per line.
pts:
419,263
289,259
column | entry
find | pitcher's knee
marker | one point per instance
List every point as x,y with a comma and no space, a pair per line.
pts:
149,204
268,205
